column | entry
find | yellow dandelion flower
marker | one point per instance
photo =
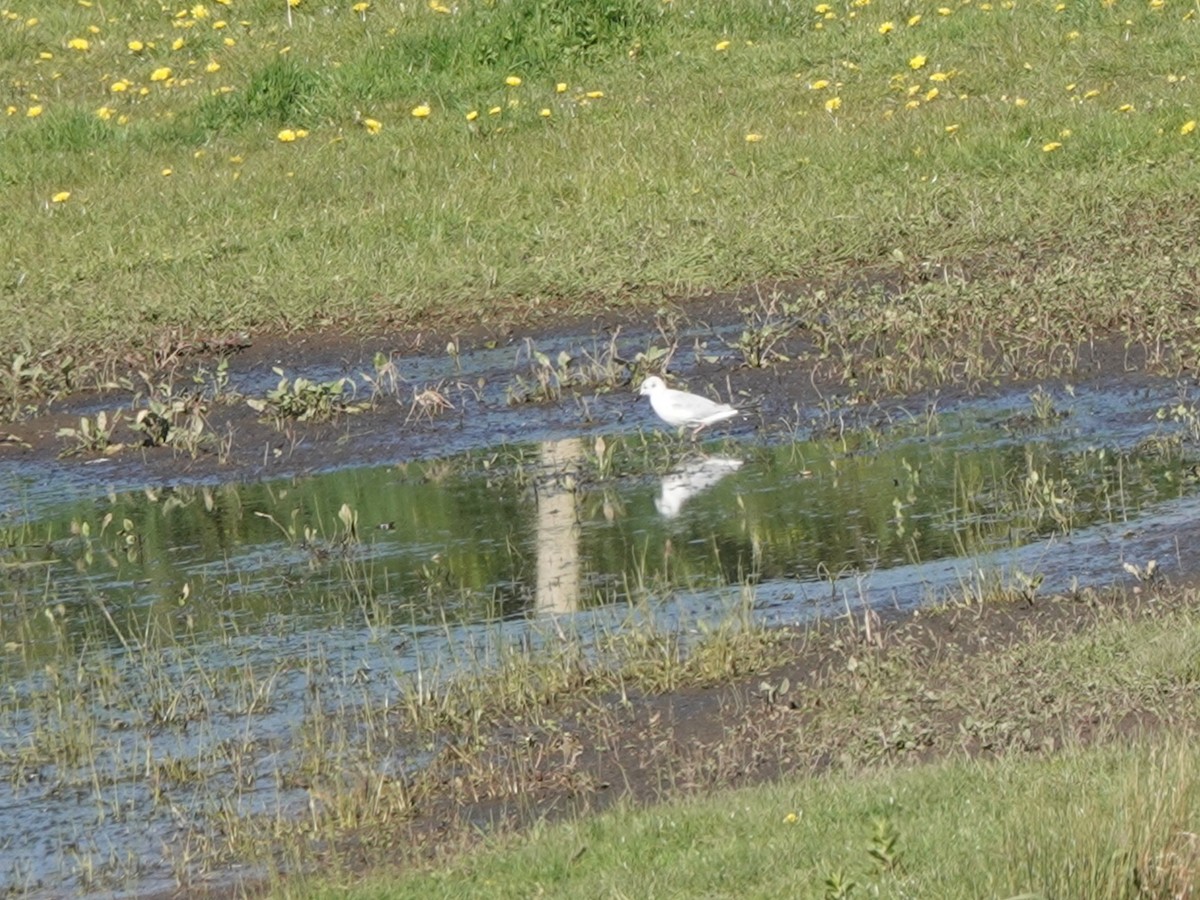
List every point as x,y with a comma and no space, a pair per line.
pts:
1051,147
230,42
1188,127
887,27
199,11
951,129
438,7
940,76
78,44
1125,107
286,136
301,133
160,74
822,8
1092,94
914,21
494,111
168,172
1072,35
10,110
790,818
360,7
918,61
594,95
219,24
373,126
61,197
833,104
721,46
513,81
294,3
33,112
421,112
945,11
136,46
1020,102
473,115
46,54
177,44
819,85
213,66
1065,133
544,112
753,137
912,104
123,119
104,113
560,88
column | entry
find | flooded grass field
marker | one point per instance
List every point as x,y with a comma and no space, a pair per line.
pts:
191,668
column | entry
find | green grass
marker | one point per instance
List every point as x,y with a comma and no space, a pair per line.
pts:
651,189
1111,823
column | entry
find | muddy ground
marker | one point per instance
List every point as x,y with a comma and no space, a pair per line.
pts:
755,725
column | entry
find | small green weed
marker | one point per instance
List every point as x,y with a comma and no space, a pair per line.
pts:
303,400
93,434
768,323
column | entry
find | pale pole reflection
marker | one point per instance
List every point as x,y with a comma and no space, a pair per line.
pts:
559,568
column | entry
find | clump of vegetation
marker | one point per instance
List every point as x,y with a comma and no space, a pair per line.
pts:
303,400
93,434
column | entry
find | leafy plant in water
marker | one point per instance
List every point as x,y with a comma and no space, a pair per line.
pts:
306,401
177,422
93,435
387,378
767,325
217,386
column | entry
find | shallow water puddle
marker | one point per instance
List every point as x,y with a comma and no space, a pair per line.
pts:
171,656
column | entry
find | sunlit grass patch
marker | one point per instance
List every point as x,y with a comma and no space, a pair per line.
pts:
460,155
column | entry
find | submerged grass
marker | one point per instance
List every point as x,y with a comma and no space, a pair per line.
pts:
1027,166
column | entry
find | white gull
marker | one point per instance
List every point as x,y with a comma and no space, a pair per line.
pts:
684,410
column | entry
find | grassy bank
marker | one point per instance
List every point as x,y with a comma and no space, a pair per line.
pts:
168,173
1117,822
1110,812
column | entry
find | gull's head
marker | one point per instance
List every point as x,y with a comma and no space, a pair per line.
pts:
650,385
